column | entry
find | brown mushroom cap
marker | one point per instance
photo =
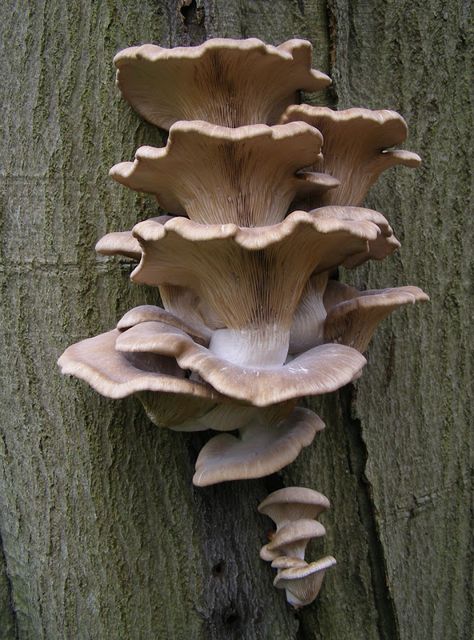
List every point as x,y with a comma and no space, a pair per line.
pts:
117,375
293,503
320,370
223,81
218,175
249,277
355,150
263,448
291,539
303,584
354,315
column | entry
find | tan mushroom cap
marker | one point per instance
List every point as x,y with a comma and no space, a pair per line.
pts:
354,315
248,276
303,584
292,539
116,375
217,175
263,448
356,148
293,503
379,248
223,81
320,370
119,243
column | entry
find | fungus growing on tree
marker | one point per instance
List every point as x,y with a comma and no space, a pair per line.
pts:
263,204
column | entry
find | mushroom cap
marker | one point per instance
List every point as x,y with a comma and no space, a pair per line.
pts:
293,503
292,538
263,448
303,584
320,370
248,276
117,375
354,315
223,81
356,148
217,175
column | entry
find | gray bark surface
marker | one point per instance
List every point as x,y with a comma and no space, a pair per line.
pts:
102,534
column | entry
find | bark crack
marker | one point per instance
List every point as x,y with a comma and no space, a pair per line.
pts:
8,618
386,612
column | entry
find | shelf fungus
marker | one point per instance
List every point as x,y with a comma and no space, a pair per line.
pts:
263,201
294,511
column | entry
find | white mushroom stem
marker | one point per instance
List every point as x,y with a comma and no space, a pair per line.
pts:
263,348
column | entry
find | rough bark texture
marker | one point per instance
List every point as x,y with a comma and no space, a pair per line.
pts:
102,534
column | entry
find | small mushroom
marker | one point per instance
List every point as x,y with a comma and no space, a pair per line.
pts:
291,539
303,584
264,446
222,81
356,150
217,175
293,503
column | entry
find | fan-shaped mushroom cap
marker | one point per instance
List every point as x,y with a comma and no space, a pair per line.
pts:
293,503
379,248
119,243
320,370
223,81
217,175
292,539
354,315
117,375
249,277
264,447
303,584
356,148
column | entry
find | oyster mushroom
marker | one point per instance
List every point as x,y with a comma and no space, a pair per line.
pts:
356,150
293,503
291,539
265,445
222,81
302,584
217,175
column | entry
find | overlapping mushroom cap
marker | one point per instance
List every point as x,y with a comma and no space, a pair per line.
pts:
223,81
217,175
357,148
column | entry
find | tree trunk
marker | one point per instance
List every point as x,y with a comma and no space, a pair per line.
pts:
102,534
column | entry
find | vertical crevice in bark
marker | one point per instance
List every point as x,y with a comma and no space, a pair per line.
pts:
357,457
8,621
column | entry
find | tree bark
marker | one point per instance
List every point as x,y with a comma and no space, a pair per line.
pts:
102,534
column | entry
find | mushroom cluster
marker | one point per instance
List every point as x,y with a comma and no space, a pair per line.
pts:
263,204
295,510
